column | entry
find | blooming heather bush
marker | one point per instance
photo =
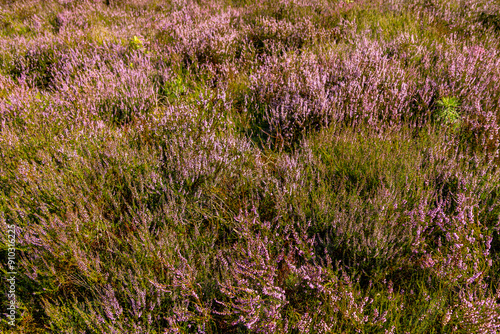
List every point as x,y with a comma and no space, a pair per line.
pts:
121,95
228,166
211,41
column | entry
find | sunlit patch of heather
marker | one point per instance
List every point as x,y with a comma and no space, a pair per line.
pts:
190,310
213,40
463,245
292,166
293,95
369,84
333,296
195,148
458,227
270,277
36,65
191,160
469,73
270,34
255,298
70,19
477,313
304,92
117,95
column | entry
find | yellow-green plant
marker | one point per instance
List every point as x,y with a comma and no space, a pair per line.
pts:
135,43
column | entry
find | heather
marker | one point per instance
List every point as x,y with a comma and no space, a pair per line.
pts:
229,166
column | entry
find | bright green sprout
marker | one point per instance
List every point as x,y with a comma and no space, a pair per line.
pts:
449,113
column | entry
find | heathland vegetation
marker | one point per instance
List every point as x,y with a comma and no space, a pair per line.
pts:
234,166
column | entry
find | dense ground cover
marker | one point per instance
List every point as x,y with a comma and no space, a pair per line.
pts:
231,166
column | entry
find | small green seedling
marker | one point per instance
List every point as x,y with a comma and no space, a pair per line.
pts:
449,111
